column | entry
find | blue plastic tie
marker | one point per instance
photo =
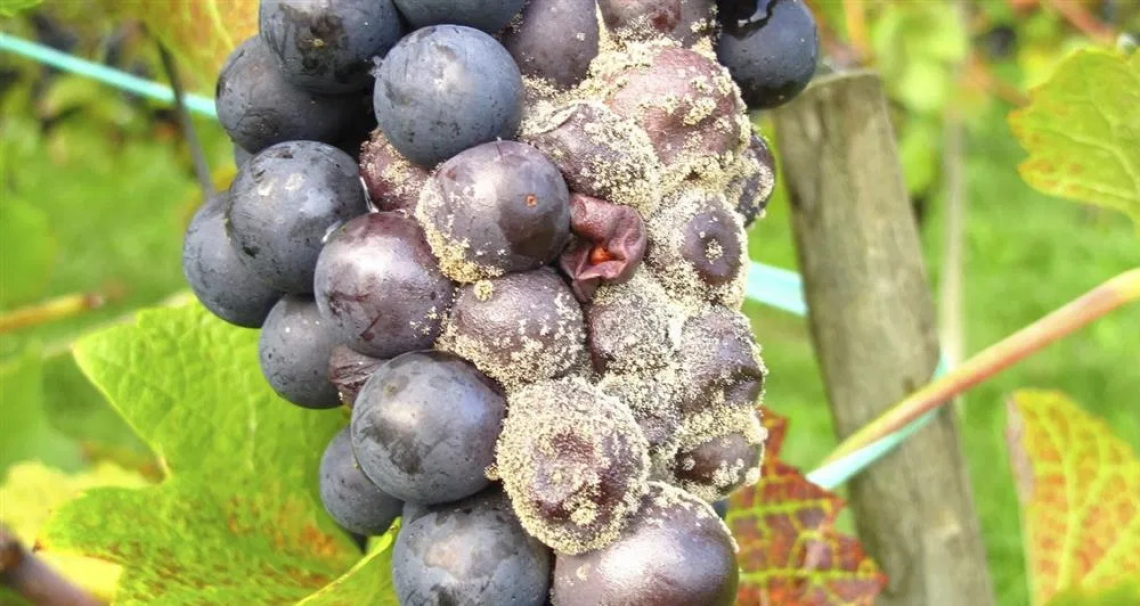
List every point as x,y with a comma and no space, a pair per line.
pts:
772,286
107,75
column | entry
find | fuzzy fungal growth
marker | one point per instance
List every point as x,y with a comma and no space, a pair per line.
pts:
676,552
698,250
391,180
510,236
720,361
714,452
518,329
574,463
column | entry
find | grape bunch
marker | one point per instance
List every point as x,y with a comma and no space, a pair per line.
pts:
509,236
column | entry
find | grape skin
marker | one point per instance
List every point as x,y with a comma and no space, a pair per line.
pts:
518,329
284,201
772,54
349,496
487,15
444,89
328,47
294,350
219,280
424,427
555,40
470,553
259,108
495,208
379,288
676,552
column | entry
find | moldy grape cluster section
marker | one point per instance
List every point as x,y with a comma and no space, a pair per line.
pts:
510,237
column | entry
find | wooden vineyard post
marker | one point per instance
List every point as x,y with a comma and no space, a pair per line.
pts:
873,327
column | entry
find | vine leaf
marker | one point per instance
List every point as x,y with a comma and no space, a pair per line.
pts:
790,550
1079,487
362,584
199,33
31,490
1082,132
237,519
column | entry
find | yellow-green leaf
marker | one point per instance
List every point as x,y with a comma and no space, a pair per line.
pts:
200,33
1079,487
238,519
1082,132
32,490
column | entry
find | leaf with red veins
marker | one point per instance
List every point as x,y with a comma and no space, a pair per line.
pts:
609,246
790,550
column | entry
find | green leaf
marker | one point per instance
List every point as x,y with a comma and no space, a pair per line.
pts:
238,519
32,490
29,250
27,432
9,8
369,582
1082,132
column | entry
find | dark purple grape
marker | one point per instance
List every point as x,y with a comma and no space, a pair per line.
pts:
519,328
698,249
328,47
574,463
496,208
294,350
379,287
686,103
714,451
698,20
393,182
349,370
555,40
719,465
218,278
632,326
755,182
653,396
424,427
349,496
487,15
259,108
444,89
284,202
473,552
600,154
771,47
641,18
720,360
676,552
685,21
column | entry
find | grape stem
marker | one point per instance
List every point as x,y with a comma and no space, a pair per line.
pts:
24,573
1123,289
59,308
201,167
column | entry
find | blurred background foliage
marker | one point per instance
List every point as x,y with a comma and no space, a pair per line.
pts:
97,186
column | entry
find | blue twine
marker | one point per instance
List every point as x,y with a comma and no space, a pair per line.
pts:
768,285
107,75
